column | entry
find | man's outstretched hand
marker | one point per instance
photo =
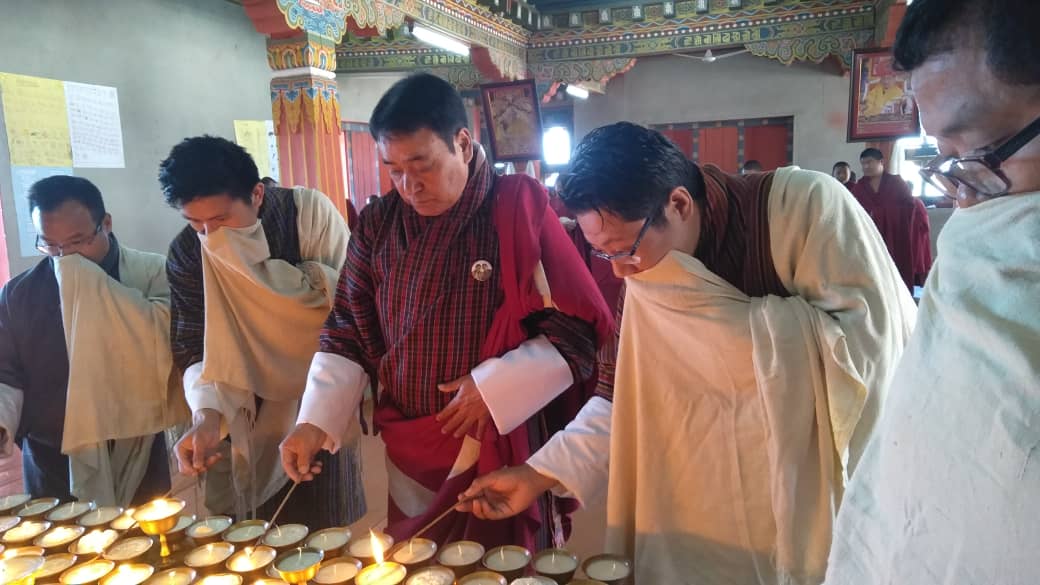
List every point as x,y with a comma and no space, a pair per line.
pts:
504,493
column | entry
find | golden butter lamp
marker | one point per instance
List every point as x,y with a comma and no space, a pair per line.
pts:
157,518
299,565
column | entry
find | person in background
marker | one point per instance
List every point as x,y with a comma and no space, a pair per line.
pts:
464,301
762,318
947,489
85,366
253,276
900,217
843,172
608,283
751,166
269,182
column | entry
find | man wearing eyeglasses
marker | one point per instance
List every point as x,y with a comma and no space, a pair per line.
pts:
85,364
947,491
761,318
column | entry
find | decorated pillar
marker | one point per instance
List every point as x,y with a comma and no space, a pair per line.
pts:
301,51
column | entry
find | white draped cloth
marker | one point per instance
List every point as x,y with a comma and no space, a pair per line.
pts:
949,488
122,386
263,320
734,417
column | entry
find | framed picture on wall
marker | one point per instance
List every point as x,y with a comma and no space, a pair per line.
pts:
514,122
880,104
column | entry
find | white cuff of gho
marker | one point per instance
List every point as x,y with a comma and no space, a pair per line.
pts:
579,456
11,400
203,394
521,382
335,388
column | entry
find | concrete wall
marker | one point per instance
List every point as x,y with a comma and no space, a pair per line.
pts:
359,93
668,89
182,68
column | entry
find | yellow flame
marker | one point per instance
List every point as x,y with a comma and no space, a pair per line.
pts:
377,547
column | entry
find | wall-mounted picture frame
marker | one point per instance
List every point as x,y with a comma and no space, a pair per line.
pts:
514,120
881,106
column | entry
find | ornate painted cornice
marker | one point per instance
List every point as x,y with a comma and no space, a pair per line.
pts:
307,50
326,18
807,19
370,14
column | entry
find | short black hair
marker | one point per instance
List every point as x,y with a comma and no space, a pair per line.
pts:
841,163
627,170
872,153
752,165
204,166
421,100
269,182
1005,28
50,193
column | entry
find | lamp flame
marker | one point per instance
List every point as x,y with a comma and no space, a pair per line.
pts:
377,547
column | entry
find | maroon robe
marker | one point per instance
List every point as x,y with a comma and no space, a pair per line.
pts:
903,222
410,311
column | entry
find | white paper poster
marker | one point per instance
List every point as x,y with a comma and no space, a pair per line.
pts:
21,179
272,150
94,126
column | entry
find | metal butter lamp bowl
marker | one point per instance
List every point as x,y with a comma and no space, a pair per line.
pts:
157,518
299,565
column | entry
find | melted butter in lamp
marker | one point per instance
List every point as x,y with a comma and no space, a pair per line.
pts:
90,572
330,539
432,576
382,574
178,576
209,555
505,559
54,565
417,550
101,516
60,536
158,510
461,554
209,527
483,578
70,511
131,574
337,571
607,568
286,536
8,522
251,559
25,531
95,542
128,549
299,561
364,548
222,579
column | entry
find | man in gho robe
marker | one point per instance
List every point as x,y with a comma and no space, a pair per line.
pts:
464,301
253,277
85,367
760,322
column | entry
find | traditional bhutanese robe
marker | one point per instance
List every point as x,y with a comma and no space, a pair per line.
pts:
903,222
413,311
748,378
336,497
947,489
34,370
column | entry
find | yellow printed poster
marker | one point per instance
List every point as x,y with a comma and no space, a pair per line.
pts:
252,136
37,122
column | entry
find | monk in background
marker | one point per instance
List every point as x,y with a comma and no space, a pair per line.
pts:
900,217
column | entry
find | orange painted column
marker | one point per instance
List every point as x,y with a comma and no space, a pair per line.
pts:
305,110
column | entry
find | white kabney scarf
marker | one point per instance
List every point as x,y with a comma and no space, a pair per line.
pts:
121,382
263,319
733,416
949,489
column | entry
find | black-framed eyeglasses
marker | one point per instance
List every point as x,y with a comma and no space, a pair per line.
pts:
60,249
628,257
981,172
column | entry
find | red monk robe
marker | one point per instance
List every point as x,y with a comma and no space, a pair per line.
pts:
903,222
602,272
412,311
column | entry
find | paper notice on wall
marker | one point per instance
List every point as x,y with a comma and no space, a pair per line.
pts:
37,124
252,136
272,150
21,179
95,130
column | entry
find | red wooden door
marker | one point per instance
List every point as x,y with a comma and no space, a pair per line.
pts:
683,138
767,145
718,146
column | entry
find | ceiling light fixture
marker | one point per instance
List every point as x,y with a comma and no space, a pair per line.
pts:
577,91
439,40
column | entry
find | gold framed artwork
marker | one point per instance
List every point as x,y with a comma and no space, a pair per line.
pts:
514,120
881,106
